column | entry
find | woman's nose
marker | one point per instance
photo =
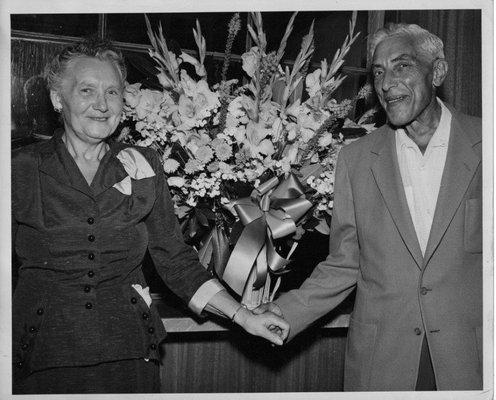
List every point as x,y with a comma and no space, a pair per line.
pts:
100,103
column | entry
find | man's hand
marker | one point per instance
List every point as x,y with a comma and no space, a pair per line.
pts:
272,307
267,325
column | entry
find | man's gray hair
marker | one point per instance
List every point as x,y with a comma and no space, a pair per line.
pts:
426,42
92,47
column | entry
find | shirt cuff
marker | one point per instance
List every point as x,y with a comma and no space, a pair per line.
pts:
203,295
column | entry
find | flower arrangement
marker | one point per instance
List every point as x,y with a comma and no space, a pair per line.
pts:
250,166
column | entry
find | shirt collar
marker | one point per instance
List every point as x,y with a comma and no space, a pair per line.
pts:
441,135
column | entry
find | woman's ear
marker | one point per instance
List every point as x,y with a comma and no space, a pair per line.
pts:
56,100
440,70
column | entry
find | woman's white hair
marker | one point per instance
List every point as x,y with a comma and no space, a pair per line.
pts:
429,44
90,47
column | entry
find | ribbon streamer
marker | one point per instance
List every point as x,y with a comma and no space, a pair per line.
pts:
216,245
271,212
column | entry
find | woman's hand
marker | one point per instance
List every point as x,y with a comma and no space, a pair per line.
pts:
266,325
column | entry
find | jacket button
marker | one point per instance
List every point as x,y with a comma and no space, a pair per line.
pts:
87,289
134,300
151,329
32,329
153,346
91,220
91,256
39,311
89,306
91,238
423,291
418,331
91,274
145,315
24,346
20,364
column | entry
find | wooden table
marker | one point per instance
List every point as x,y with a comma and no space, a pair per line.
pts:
216,356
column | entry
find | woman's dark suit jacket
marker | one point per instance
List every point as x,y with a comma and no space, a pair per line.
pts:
81,249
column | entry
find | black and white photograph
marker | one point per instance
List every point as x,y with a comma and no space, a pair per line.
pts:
261,200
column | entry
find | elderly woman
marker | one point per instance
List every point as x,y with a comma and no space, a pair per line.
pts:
85,210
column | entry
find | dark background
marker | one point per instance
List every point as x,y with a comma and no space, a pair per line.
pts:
35,38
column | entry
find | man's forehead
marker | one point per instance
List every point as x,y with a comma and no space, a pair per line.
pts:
393,49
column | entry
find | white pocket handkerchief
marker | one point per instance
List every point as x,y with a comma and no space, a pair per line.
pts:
143,292
124,186
136,166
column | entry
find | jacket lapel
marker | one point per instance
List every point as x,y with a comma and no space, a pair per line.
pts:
461,165
56,162
111,171
388,179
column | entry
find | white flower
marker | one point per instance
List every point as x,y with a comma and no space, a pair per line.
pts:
322,207
235,108
256,140
176,181
132,94
239,134
164,80
191,201
325,140
204,154
170,165
291,154
295,109
222,150
192,166
196,104
277,129
149,103
199,68
250,61
312,82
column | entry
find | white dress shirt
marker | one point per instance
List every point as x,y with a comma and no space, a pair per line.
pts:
421,174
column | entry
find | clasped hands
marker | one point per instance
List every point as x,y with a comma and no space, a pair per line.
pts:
265,321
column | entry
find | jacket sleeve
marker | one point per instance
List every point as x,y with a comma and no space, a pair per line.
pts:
175,261
334,278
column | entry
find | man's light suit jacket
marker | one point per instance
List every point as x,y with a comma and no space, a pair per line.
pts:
401,295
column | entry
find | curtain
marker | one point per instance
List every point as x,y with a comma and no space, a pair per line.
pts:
460,31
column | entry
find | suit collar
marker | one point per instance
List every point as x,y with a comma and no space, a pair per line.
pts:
56,162
461,163
385,170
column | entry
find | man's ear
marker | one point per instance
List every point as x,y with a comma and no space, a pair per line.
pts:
440,70
56,100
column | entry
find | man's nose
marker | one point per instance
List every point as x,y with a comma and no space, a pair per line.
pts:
388,80
100,103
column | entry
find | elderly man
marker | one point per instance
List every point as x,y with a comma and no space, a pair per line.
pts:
406,232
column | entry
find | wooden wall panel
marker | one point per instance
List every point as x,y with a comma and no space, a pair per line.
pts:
235,362
31,109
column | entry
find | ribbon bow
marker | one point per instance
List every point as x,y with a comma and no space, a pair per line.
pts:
271,212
